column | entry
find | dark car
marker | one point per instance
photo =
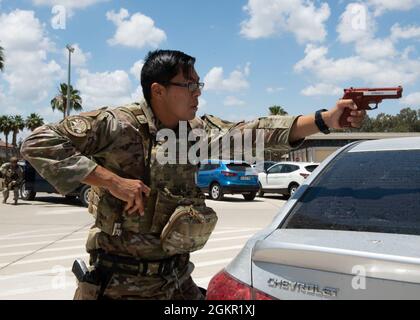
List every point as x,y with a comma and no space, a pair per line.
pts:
34,183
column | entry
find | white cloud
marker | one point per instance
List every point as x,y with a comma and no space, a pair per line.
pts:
408,32
380,6
322,89
135,70
104,89
376,73
78,57
236,81
28,72
274,89
69,4
300,17
374,49
413,100
138,31
233,101
356,24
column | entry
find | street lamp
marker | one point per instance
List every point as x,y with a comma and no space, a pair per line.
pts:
71,50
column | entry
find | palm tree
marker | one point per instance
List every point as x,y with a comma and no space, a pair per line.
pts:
1,59
6,126
60,101
18,124
33,121
277,111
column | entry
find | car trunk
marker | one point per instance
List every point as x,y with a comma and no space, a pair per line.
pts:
325,264
244,173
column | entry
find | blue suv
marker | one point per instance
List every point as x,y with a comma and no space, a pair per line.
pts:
218,177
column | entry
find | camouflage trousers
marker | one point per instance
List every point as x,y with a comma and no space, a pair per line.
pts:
178,286
15,193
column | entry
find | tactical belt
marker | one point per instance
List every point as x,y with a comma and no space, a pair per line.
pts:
127,265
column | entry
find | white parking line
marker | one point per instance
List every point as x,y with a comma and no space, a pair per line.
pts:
39,243
236,230
204,251
31,274
59,258
47,235
60,212
49,287
212,263
10,254
6,236
231,238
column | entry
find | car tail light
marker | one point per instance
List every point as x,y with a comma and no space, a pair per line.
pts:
229,174
305,175
225,287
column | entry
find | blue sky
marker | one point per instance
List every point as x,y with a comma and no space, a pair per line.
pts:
252,54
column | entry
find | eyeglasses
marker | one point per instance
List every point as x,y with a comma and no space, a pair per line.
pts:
192,86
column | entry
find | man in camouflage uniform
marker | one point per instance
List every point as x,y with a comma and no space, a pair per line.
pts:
12,178
133,195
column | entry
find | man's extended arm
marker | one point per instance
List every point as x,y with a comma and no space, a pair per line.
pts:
305,125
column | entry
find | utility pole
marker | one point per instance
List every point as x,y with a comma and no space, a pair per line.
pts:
71,50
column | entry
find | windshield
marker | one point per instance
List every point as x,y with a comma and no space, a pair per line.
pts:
363,191
238,166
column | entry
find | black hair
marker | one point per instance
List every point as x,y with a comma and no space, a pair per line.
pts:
161,66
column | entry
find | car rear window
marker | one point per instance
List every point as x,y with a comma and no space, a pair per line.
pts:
363,191
311,167
238,166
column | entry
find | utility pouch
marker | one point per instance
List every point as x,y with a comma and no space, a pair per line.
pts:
107,212
166,204
188,229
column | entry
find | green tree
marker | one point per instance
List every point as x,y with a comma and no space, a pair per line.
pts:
406,120
6,126
277,111
367,125
34,121
1,59
60,101
384,123
18,124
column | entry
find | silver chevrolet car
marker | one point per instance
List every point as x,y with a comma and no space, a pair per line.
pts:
351,231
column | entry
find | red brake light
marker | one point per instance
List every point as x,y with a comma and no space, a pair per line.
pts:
229,174
225,287
305,175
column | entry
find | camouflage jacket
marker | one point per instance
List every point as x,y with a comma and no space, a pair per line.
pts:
10,175
67,152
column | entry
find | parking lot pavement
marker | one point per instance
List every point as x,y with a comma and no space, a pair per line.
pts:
39,241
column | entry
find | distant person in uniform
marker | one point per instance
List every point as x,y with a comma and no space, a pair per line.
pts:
13,176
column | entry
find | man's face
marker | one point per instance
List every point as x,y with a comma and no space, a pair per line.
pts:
14,164
180,101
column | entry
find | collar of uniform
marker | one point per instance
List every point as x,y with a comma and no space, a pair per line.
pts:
154,123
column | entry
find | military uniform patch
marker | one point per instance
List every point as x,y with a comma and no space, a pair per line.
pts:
77,126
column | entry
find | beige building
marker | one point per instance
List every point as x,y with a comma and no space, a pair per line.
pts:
11,151
319,146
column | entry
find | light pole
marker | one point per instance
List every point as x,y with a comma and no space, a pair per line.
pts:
71,50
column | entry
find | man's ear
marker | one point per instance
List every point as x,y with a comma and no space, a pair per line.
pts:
157,90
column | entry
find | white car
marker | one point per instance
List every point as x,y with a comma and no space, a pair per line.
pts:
284,177
351,231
